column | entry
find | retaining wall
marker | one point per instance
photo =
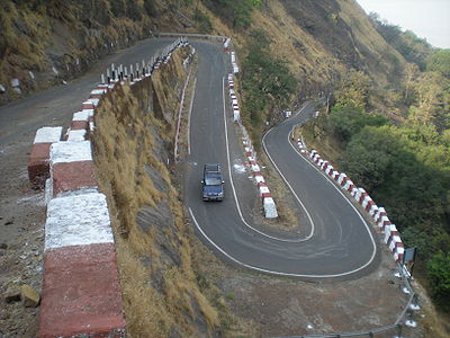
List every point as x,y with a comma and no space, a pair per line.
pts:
81,294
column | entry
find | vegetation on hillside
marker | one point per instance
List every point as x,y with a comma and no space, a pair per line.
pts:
413,48
405,166
58,40
267,83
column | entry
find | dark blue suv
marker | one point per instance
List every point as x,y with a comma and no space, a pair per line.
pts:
212,183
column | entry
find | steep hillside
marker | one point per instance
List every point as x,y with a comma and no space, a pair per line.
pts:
288,51
133,142
44,43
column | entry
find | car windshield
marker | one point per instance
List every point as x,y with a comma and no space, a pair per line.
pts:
213,180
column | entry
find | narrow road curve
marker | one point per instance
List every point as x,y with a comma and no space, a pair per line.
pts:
340,243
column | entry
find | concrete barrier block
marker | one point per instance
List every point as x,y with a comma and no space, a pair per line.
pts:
348,185
342,179
81,295
393,241
38,164
38,161
394,235
334,175
87,105
73,176
48,135
79,125
255,168
259,179
97,93
77,220
82,115
77,135
63,152
383,222
381,212
373,210
399,253
389,229
359,192
270,209
361,195
94,101
263,189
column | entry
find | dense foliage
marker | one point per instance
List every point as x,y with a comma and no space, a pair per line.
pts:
405,166
267,82
440,62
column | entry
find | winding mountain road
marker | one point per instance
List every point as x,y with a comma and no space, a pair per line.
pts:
338,242
335,240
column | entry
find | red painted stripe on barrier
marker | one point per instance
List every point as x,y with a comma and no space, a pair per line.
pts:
73,176
79,125
81,293
38,164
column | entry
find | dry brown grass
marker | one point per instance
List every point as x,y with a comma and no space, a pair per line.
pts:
124,145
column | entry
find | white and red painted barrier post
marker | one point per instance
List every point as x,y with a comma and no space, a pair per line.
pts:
38,161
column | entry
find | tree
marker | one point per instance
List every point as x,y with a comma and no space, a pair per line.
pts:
439,274
345,121
439,61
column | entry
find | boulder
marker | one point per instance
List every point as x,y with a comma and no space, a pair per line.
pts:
30,297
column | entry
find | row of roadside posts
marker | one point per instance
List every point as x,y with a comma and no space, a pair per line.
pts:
139,70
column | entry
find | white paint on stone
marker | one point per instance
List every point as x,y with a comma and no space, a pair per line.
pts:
259,179
77,220
81,115
98,91
65,152
270,209
77,135
15,83
48,135
48,190
94,101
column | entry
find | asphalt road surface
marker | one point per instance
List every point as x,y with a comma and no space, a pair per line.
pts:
338,243
20,120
